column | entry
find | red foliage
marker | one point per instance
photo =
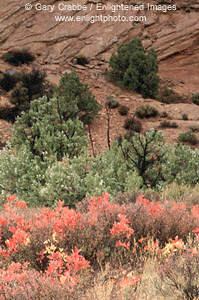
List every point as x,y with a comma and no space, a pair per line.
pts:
123,244
122,227
44,240
154,208
21,235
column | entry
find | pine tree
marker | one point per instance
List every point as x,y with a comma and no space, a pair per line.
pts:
135,68
76,99
32,86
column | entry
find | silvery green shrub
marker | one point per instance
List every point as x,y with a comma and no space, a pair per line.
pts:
45,131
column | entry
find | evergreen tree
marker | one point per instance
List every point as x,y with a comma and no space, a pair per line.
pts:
136,68
75,99
32,86
147,155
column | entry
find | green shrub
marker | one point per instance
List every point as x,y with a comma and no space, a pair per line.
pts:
167,95
182,165
112,102
8,113
32,172
46,181
167,124
195,98
174,125
146,111
194,128
81,60
108,172
18,57
22,174
45,131
188,137
7,81
64,181
133,125
185,117
146,154
135,68
164,114
42,182
31,86
76,99
123,110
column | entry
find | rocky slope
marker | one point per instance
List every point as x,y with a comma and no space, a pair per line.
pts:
170,33
174,35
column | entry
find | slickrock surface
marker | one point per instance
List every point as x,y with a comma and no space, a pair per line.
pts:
169,33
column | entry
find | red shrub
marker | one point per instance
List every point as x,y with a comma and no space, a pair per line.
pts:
104,231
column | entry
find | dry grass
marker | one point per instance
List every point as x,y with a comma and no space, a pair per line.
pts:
103,285
147,289
181,194
106,286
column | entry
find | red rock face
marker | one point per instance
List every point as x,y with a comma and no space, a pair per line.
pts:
169,33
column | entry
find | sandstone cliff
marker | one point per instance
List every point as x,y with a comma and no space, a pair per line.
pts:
169,33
